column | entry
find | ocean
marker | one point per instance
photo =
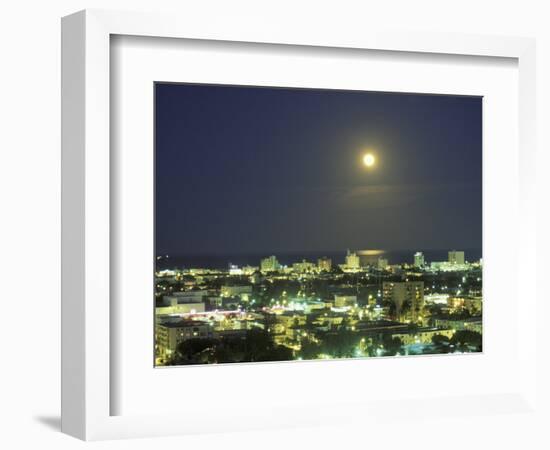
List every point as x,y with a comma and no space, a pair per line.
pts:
222,261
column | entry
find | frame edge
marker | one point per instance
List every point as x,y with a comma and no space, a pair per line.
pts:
73,83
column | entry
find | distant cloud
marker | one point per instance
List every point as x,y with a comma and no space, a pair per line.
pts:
384,195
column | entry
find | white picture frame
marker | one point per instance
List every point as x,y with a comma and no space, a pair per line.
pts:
86,221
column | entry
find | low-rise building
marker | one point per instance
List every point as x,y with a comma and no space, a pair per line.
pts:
446,266
243,291
290,319
473,305
184,297
341,301
180,308
422,335
471,323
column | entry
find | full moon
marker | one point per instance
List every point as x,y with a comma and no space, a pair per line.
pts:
369,160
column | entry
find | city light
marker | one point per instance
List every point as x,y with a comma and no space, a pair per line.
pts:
315,314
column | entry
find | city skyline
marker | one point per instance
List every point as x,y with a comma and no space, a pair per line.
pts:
397,257
365,307
364,259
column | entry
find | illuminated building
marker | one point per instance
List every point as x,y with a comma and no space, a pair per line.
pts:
312,306
180,308
289,319
456,262
345,300
473,305
166,273
184,297
269,264
304,266
456,257
471,324
234,291
405,293
445,266
422,335
249,270
438,299
170,334
352,261
419,260
324,264
382,263
182,303
235,270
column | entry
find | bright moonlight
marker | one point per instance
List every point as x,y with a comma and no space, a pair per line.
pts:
369,160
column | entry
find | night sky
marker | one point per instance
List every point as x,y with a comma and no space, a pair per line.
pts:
251,170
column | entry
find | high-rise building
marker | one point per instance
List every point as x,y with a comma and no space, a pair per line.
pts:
352,261
419,259
407,296
269,264
324,264
382,263
456,257
304,266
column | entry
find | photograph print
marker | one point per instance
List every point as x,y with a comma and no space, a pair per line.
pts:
315,224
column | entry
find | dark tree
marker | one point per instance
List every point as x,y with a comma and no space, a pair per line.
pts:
466,340
441,343
310,350
193,351
392,345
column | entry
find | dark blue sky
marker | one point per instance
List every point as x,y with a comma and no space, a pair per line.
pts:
247,169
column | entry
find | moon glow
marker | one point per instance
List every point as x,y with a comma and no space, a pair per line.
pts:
369,159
